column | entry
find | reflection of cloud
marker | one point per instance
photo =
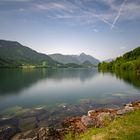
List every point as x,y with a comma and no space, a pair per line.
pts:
84,11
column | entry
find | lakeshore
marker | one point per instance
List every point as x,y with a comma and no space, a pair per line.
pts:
76,125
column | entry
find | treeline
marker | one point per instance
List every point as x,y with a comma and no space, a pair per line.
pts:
129,61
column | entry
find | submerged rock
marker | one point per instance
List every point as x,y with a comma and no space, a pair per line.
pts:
9,121
35,122
42,133
27,135
27,123
6,132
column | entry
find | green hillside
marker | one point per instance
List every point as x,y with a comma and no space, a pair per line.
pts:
130,61
13,54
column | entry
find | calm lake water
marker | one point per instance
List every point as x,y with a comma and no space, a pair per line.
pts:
28,88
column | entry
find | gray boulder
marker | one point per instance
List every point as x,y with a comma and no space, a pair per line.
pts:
87,121
90,112
104,115
125,110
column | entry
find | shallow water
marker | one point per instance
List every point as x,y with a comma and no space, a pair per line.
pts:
29,88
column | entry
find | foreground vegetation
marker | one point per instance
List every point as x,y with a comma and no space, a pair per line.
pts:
130,61
126,127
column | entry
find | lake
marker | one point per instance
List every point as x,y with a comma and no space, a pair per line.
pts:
23,89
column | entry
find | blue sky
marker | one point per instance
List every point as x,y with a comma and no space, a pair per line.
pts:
102,28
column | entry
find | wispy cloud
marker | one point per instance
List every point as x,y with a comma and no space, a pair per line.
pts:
51,6
108,12
15,0
96,30
69,10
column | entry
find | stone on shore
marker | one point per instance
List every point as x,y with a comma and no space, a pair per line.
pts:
87,121
125,110
104,115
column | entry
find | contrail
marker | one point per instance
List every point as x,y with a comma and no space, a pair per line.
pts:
102,19
118,15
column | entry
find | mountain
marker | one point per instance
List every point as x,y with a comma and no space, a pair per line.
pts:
65,59
83,57
14,54
77,59
129,61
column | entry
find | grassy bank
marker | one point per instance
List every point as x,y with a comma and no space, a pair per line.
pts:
126,127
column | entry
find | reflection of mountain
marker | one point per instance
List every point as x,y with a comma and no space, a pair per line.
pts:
14,80
82,74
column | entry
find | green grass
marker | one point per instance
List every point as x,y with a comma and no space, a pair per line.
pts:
126,127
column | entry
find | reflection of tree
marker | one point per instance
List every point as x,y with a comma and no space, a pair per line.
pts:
14,80
128,76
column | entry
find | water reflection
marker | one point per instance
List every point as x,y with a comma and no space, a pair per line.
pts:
29,88
129,77
15,80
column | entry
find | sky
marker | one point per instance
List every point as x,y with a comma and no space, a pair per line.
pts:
101,28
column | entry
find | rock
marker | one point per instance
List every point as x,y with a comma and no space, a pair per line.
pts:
74,124
103,118
27,135
9,121
43,133
121,112
128,108
125,110
27,123
98,111
6,132
104,115
87,121
48,134
90,112
130,105
136,105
